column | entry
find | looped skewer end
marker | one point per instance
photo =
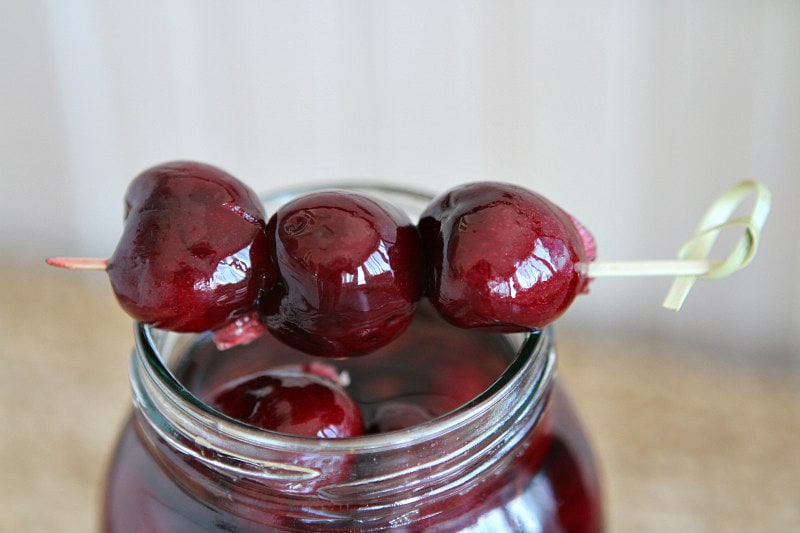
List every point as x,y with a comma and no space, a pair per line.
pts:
692,262
716,219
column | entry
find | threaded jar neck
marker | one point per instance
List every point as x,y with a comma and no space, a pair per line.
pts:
362,474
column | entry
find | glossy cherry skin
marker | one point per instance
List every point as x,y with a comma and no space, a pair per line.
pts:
502,258
351,273
193,253
291,401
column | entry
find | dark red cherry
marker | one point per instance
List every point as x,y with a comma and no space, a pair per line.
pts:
292,401
351,273
193,254
502,258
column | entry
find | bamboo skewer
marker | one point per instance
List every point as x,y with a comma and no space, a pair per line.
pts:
78,263
671,267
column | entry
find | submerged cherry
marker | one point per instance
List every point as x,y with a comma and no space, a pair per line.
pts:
292,401
193,254
502,258
351,273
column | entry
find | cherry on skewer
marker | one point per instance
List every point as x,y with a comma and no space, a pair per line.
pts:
502,258
351,271
193,252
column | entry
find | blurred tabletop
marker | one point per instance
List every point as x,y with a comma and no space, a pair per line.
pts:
686,440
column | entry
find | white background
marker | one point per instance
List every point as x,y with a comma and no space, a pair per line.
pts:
632,115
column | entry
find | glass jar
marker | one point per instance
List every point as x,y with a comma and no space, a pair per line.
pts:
510,458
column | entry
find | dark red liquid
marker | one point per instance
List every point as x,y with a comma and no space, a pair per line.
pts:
549,483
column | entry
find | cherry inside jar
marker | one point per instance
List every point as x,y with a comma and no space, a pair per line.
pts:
466,431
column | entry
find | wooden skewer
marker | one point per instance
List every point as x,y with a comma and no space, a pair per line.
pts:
596,269
672,268
78,263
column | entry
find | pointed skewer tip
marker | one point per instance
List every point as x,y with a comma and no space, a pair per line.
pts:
78,263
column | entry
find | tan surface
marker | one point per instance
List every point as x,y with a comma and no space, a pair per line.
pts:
686,442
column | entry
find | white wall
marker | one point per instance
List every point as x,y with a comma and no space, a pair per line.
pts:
632,115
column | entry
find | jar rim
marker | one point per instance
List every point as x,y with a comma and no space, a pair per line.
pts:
528,357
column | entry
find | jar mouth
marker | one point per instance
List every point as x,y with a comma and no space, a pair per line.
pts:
534,362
